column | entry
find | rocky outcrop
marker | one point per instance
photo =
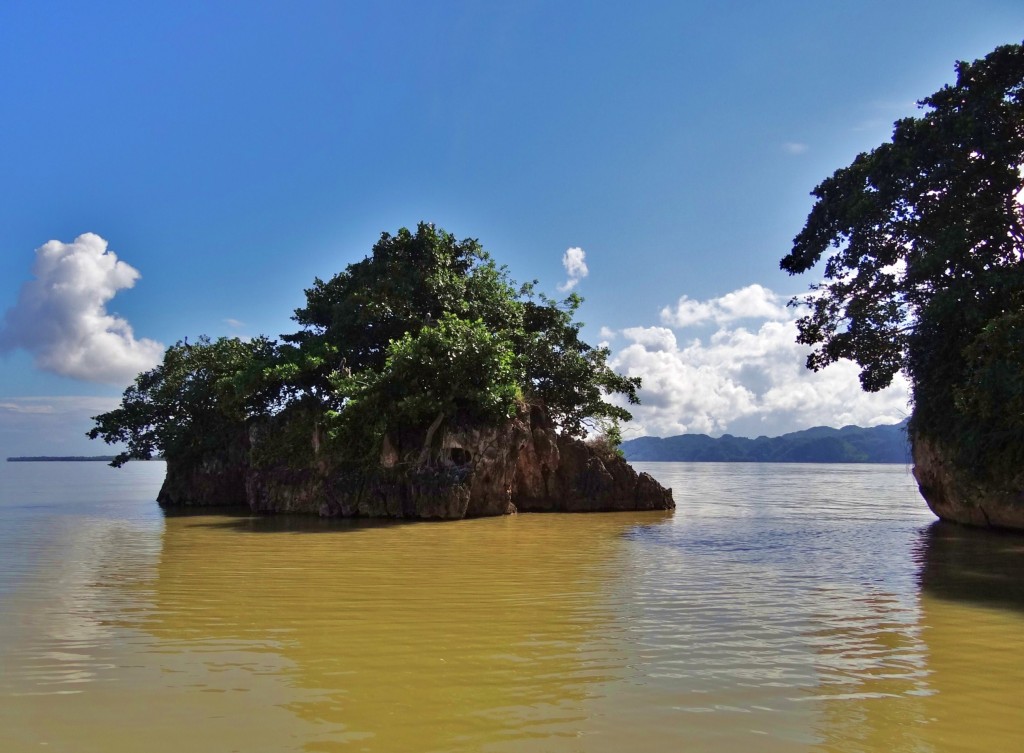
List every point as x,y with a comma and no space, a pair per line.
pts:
960,497
555,473
521,465
214,479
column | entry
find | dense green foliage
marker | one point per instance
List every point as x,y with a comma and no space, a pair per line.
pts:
923,241
426,330
822,444
192,402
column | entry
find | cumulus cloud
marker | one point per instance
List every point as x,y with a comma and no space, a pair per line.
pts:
652,339
62,320
744,380
574,261
751,302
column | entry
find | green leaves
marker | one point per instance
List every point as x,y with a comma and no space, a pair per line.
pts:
427,329
923,242
455,367
939,200
411,319
407,281
198,397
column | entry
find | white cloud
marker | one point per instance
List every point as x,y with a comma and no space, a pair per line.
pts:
234,323
794,147
743,380
22,407
751,302
654,339
62,320
574,261
607,333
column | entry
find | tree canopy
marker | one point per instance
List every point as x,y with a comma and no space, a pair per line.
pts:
427,329
923,247
194,401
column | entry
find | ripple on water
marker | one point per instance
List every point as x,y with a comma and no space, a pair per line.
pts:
780,608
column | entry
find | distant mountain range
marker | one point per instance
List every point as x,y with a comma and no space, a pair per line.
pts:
822,444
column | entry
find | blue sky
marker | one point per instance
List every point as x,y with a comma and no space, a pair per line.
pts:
231,152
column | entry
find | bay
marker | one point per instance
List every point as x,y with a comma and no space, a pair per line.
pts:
780,608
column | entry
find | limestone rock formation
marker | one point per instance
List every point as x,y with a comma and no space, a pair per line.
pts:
217,479
555,473
521,465
955,496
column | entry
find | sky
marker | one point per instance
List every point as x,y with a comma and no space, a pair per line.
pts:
177,169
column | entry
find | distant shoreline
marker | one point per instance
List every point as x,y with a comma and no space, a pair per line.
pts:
64,459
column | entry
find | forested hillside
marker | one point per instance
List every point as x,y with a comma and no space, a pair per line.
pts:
822,444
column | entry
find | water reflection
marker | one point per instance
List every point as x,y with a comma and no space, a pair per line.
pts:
964,649
778,610
428,636
972,607
980,567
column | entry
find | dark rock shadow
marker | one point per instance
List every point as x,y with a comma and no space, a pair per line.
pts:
244,520
983,567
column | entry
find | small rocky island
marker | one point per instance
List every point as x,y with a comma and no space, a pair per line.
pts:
423,383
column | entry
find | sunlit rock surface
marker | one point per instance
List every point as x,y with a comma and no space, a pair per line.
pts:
954,496
521,465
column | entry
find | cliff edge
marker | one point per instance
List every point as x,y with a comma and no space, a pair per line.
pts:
962,497
524,465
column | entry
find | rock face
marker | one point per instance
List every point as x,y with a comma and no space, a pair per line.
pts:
521,465
215,480
953,496
555,473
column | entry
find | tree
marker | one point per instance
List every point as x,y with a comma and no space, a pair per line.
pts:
923,241
195,401
409,280
425,330
417,287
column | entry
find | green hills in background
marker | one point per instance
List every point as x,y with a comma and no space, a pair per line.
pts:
822,444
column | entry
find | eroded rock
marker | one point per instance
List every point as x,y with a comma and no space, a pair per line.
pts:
523,464
556,473
960,497
216,479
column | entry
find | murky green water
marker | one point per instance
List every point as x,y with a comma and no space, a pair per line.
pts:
781,608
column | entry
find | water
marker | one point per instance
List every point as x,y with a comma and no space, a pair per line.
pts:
781,608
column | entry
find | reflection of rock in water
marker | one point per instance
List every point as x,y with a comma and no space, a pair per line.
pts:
981,567
872,672
964,641
972,615
403,637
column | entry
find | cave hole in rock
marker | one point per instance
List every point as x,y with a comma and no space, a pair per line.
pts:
459,456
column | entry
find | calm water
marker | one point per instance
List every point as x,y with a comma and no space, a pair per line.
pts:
781,608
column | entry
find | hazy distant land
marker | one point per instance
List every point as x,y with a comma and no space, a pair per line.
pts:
822,444
63,458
